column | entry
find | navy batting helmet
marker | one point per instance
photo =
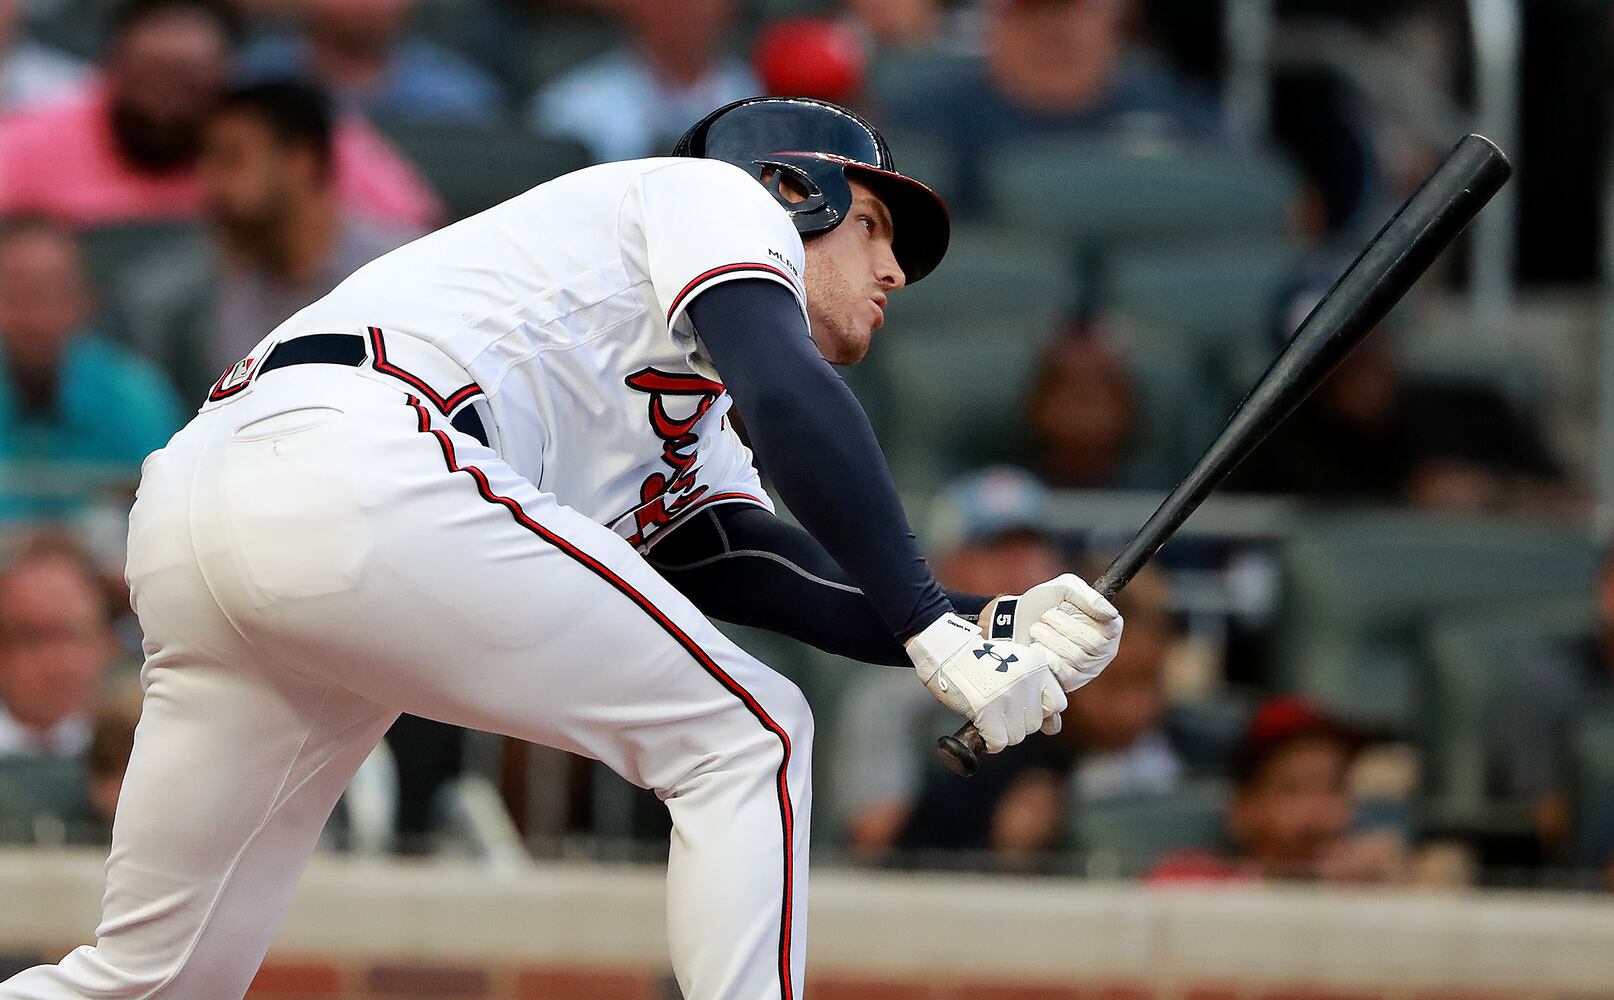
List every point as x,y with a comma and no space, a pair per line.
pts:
819,145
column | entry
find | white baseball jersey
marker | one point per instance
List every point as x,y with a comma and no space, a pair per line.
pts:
592,369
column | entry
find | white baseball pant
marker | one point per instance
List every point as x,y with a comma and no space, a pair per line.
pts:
324,551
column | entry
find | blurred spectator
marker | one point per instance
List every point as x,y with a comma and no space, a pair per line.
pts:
1052,67
56,645
1373,434
811,57
1112,743
1291,813
1082,414
363,53
66,395
1533,720
637,100
897,22
280,238
31,73
133,137
988,538
112,736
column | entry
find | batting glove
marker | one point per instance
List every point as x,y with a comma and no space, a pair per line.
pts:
1007,689
1065,618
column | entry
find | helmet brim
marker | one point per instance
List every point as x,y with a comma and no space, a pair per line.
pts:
920,225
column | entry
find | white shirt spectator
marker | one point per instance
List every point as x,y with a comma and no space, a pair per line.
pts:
617,107
1148,765
32,74
68,738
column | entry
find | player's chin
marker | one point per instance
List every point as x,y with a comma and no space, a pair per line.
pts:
854,346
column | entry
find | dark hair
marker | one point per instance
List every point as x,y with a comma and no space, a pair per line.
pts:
132,13
297,113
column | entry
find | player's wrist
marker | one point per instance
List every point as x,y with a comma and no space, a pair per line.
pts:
939,642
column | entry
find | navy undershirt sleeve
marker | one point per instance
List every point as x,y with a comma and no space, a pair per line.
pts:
739,563
814,439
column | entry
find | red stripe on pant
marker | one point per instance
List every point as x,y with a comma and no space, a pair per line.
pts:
786,813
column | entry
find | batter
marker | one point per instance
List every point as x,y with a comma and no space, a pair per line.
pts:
492,479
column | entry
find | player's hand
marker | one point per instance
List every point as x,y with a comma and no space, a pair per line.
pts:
1007,689
1065,618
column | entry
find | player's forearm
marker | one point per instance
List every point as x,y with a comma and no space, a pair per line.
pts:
741,564
815,441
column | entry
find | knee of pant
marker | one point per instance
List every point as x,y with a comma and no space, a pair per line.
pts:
786,711
795,716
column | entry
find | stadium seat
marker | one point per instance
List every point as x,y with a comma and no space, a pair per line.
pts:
76,26
1125,836
957,392
1594,792
988,270
43,789
474,167
1359,588
1213,301
562,43
980,320
1467,659
1104,195
111,250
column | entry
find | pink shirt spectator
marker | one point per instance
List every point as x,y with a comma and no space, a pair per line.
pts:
60,161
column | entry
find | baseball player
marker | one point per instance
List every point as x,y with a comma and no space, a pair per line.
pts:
436,490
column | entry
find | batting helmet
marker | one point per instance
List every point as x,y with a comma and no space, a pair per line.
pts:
818,146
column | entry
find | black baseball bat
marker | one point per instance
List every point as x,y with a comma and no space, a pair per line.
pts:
1397,257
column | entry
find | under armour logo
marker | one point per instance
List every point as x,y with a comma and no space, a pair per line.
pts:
1003,661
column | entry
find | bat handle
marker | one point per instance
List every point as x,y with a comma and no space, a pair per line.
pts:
961,752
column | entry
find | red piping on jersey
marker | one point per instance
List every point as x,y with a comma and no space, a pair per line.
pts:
725,269
378,350
678,635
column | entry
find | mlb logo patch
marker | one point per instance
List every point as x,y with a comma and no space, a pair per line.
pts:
234,379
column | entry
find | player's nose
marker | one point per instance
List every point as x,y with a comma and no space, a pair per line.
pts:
887,272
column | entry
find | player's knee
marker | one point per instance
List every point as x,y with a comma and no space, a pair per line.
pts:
786,726
794,715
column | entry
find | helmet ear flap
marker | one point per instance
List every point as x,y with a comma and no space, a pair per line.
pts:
825,185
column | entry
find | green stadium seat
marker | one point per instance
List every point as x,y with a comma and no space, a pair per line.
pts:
561,44
1467,660
111,250
1359,588
957,392
988,270
75,26
1127,835
1213,302
43,788
474,167
1104,195
1594,792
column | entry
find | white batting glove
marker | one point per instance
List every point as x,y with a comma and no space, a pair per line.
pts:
1007,689
1065,618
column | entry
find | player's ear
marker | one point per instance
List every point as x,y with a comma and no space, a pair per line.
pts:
787,184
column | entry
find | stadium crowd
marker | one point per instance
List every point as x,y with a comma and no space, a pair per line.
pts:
177,177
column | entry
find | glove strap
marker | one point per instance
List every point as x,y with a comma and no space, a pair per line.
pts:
940,642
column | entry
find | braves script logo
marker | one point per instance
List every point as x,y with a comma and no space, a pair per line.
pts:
664,495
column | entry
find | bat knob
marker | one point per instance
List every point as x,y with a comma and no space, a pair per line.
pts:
961,752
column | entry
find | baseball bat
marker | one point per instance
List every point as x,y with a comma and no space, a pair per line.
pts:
1393,261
